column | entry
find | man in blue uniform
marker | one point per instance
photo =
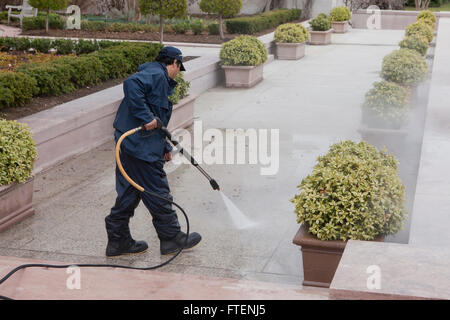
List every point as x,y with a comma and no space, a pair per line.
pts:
143,157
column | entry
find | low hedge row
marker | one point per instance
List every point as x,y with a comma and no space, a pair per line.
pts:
266,20
67,74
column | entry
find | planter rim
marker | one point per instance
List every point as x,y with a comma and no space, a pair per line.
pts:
14,185
185,100
304,238
240,67
365,128
290,44
328,31
340,22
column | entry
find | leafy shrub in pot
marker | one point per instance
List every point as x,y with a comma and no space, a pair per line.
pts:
354,192
341,13
386,105
181,90
428,17
415,42
243,51
320,23
291,33
404,66
17,152
420,28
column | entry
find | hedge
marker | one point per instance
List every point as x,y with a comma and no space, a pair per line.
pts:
263,21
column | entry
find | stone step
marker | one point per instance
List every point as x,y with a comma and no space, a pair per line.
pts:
113,283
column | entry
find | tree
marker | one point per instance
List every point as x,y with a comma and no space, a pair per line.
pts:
422,4
165,9
48,5
223,9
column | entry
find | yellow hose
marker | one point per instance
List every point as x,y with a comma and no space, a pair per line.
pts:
119,163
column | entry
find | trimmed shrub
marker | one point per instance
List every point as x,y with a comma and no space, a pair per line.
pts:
23,44
52,78
420,28
84,71
181,27
340,14
428,17
243,51
262,21
320,23
137,53
404,66
114,63
181,90
94,25
214,29
415,42
64,46
38,23
86,46
17,152
354,192
197,27
104,44
41,45
17,89
291,33
15,43
386,103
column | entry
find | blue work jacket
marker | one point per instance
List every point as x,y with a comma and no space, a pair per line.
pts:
146,97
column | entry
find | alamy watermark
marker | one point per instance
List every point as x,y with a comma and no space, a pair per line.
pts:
231,147
374,20
74,280
374,280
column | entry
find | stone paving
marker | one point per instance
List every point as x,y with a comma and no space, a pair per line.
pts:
314,102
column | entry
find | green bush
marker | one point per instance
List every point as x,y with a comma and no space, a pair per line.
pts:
17,89
214,29
136,53
404,66
181,27
427,17
197,27
386,105
104,44
23,44
64,46
354,192
94,25
114,63
415,42
181,90
15,43
38,23
4,15
340,14
52,78
41,44
17,152
86,46
84,70
320,23
291,33
243,51
420,28
262,21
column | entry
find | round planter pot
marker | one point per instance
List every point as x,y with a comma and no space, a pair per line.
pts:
320,258
320,37
340,26
243,76
16,203
290,51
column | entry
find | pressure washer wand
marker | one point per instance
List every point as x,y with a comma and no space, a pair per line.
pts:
168,135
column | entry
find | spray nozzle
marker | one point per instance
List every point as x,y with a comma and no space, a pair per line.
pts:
214,185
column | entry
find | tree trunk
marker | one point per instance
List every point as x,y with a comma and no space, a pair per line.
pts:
222,36
161,29
46,21
268,4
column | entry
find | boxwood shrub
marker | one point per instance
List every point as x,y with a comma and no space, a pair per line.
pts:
428,17
415,42
420,28
37,23
266,20
404,66
341,13
16,89
354,192
181,90
243,51
17,152
291,33
320,23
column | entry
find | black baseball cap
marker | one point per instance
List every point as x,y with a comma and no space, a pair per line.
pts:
173,53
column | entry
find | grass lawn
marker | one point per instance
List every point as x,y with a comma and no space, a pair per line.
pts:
444,7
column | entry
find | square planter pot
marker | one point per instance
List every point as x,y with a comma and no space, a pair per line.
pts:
183,113
392,139
320,258
340,26
290,51
243,76
320,37
16,203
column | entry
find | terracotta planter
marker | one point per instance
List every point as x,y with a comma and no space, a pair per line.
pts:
320,37
243,76
16,203
183,113
340,26
290,51
320,258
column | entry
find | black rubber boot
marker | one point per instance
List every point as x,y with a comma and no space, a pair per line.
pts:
175,244
123,247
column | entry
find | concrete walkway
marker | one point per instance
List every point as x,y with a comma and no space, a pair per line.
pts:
314,102
7,31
